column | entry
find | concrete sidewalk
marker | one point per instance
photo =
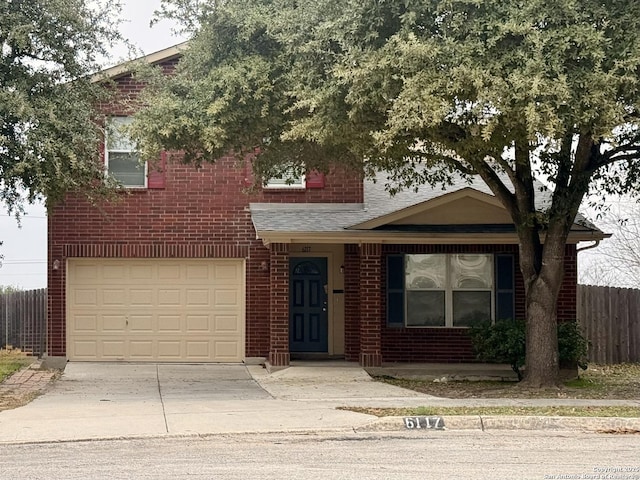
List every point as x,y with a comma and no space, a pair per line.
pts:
99,401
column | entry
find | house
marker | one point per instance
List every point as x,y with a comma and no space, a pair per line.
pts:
188,267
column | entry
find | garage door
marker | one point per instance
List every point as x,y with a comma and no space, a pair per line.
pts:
155,310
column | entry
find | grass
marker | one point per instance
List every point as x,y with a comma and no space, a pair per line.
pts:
11,361
627,412
621,382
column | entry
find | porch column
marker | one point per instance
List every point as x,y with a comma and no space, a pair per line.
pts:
352,303
370,305
279,311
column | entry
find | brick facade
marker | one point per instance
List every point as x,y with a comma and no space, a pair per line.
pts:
200,213
371,306
279,309
352,302
203,213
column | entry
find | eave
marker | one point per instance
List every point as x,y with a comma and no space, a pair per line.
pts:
126,68
384,237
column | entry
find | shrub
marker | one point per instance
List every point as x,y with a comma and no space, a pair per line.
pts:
502,342
505,342
572,346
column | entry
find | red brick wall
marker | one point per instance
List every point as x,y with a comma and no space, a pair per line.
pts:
201,213
279,308
352,303
371,309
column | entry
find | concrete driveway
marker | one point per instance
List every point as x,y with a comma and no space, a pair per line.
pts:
112,400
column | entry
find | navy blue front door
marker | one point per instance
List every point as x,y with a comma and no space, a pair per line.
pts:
308,319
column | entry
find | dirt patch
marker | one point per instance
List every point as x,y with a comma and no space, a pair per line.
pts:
22,379
560,411
621,382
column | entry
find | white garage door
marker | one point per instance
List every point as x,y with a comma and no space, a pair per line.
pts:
155,310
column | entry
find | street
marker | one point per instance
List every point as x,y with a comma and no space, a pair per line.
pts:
407,455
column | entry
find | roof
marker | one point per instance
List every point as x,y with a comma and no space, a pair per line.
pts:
383,215
152,59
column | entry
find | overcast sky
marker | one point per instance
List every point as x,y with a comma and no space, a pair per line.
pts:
25,249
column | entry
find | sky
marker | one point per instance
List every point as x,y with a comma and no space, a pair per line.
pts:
24,248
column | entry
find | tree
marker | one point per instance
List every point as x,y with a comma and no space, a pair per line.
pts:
49,126
509,91
616,262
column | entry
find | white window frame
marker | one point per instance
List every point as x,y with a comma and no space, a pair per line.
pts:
114,123
287,182
449,290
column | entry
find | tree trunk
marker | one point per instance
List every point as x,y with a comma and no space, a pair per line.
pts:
542,288
541,364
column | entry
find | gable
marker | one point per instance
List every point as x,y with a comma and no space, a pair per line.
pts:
460,211
463,207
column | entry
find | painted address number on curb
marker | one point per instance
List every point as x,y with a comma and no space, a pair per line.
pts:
415,423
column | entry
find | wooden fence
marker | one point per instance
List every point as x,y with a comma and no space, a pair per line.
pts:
610,320
23,320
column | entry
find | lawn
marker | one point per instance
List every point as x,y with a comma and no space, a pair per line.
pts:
11,361
560,411
620,382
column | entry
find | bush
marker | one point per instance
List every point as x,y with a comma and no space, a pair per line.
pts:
505,342
572,346
502,342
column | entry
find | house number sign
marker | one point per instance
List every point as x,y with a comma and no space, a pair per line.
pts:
426,423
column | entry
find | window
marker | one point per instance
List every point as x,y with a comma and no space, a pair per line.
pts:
449,290
122,161
287,181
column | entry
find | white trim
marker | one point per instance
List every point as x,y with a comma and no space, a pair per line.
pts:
107,152
127,67
297,183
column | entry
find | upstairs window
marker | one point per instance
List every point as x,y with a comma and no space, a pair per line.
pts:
122,160
287,181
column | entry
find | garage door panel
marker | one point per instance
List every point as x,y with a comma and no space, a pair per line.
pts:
198,349
113,324
142,324
85,349
85,297
113,349
169,350
114,272
198,324
198,272
155,310
142,297
198,297
226,298
169,323
114,297
141,349
170,297
85,323
141,272
226,324
168,272
226,349
87,272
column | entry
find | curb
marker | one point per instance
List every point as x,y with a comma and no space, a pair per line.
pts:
513,422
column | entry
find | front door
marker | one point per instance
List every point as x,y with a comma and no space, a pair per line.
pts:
308,316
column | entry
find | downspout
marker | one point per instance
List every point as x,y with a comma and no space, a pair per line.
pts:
588,247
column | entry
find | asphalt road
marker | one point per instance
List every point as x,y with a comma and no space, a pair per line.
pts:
410,455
